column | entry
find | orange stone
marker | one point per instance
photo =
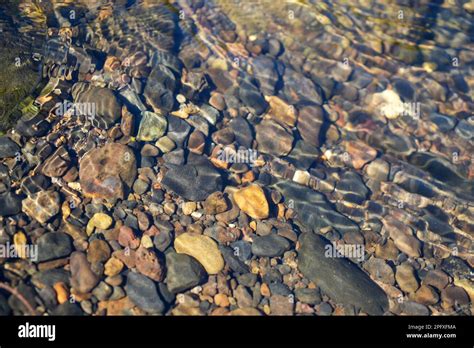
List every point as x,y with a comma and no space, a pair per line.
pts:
62,292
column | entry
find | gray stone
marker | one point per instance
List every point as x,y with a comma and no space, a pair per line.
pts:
341,279
8,148
193,182
10,204
143,293
242,131
273,139
270,246
152,126
54,245
183,272
313,209
309,296
232,260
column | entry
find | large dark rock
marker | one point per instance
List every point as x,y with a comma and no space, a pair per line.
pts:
242,131
108,108
8,148
54,245
193,182
341,279
10,204
160,87
143,293
269,246
251,96
183,272
233,261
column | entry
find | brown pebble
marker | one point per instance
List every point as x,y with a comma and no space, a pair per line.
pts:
217,100
98,251
197,142
127,238
148,264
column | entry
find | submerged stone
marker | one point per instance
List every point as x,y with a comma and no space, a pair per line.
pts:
312,208
341,279
152,126
193,182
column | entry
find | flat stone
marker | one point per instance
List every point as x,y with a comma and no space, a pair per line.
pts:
231,260
270,246
243,297
281,111
10,204
252,201
310,121
8,148
83,279
149,150
203,249
140,187
53,245
193,182
242,131
266,72
127,238
303,155
108,109
454,296
298,88
159,88
248,311
143,293
341,279
57,164
197,142
313,209
436,278
242,249
251,96
281,305
360,153
42,205
378,170
307,295
152,126
108,172
178,130
183,272
273,138
413,308
406,278
426,295
401,235
380,270
165,144
209,113
351,188
162,240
